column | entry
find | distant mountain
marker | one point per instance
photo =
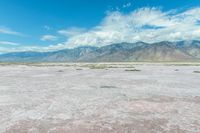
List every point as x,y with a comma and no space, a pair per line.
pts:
140,51
66,55
190,47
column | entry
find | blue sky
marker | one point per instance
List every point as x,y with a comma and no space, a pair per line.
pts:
44,25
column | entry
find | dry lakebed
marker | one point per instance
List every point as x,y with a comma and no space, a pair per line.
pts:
99,98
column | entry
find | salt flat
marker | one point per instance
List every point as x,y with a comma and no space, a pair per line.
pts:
99,98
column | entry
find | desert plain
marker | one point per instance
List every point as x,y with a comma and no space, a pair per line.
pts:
100,98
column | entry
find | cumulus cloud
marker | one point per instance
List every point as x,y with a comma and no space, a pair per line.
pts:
48,38
5,30
145,24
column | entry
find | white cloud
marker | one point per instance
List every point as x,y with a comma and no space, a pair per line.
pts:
145,24
48,38
5,30
71,31
8,43
21,48
127,5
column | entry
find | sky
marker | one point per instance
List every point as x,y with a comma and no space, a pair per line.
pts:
48,25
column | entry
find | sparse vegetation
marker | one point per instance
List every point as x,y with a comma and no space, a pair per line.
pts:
97,66
106,66
196,71
133,70
108,86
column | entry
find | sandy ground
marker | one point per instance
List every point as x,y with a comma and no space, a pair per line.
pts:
115,99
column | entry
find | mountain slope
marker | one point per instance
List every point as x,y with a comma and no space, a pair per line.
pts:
140,51
163,51
114,52
66,55
190,47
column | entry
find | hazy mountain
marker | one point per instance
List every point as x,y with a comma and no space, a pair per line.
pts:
190,47
66,55
140,51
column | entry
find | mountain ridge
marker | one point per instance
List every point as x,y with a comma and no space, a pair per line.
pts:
118,52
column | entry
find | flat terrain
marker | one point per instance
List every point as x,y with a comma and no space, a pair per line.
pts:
99,98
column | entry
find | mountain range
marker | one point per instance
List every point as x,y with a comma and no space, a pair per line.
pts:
118,52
